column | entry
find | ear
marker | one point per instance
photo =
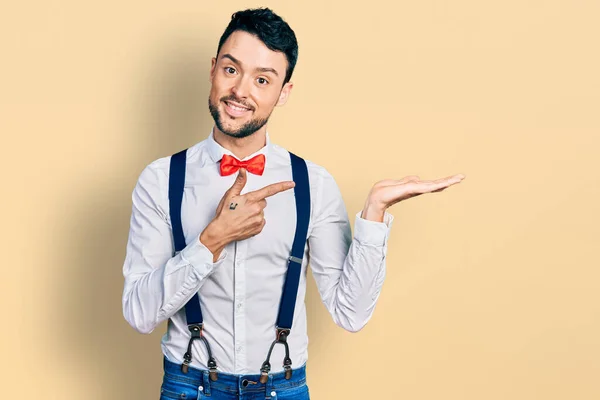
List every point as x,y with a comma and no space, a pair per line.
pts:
213,64
285,93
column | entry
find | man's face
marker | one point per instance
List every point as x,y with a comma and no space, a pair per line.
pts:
247,79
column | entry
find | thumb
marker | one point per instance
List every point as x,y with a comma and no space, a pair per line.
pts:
239,183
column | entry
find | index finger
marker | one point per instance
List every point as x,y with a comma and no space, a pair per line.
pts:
270,190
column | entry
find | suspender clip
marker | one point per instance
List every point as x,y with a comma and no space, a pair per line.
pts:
187,357
287,367
294,259
264,371
212,369
196,331
282,335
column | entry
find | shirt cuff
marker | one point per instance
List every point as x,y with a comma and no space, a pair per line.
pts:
372,232
201,258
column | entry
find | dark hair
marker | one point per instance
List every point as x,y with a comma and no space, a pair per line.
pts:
270,28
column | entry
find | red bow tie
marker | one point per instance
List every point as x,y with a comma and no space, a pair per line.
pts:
229,165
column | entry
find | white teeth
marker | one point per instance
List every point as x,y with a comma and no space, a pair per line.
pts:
236,107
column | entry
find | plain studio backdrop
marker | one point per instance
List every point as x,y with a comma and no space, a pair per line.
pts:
492,287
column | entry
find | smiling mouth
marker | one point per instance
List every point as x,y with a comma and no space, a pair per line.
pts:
236,107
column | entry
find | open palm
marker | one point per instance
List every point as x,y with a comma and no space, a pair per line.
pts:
390,191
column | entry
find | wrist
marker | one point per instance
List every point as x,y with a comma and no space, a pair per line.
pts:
213,237
373,212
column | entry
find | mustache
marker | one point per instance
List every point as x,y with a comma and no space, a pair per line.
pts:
235,99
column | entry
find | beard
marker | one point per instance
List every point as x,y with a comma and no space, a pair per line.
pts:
243,131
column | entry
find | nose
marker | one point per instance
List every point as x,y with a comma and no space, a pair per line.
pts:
241,88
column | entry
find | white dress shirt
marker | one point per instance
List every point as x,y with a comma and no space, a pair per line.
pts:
240,292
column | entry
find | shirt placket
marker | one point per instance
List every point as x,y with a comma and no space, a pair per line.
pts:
239,326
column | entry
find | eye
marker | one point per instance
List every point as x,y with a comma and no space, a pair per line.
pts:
262,81
230,70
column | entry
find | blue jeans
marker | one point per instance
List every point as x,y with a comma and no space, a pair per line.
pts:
196,385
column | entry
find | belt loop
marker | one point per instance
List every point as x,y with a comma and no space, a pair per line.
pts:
269,386
206,382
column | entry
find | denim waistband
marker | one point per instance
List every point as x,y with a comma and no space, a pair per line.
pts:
234,383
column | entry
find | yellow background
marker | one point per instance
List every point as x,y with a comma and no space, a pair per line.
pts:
492,286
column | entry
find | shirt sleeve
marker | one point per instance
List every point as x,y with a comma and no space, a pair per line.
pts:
349,271
158,284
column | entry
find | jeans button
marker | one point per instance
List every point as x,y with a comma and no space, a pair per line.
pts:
245,382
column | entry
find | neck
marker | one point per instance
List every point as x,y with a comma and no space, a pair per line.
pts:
242,147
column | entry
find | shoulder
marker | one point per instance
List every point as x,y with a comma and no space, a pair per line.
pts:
316,172
157,171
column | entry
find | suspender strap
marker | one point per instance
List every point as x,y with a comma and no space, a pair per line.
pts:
176,183
193,312
292,278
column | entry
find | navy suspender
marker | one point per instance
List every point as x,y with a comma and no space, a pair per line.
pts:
176,183
287,305
292,277
193,312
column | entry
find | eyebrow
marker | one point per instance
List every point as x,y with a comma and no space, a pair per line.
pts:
238,62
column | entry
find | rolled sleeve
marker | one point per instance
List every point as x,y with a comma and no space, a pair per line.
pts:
200,258
372,233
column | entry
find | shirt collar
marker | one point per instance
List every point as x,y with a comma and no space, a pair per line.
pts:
216,151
